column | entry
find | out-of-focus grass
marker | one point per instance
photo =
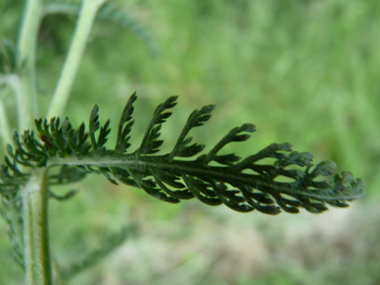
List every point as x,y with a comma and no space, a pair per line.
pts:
304,72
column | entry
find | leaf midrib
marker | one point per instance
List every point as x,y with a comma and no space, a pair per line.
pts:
205,172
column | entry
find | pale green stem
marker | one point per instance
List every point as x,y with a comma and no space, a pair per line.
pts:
85,22
36,237
13,81
5,131
27,52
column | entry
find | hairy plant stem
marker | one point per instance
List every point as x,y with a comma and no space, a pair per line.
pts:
27,100
70,68
36,237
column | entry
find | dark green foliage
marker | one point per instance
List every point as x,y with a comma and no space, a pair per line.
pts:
150,144
241,184
123,131
98,146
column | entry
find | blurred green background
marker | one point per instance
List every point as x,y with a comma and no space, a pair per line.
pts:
305,72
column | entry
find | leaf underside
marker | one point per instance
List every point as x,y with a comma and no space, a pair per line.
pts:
242,184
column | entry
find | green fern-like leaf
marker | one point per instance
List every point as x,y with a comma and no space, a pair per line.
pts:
241,184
